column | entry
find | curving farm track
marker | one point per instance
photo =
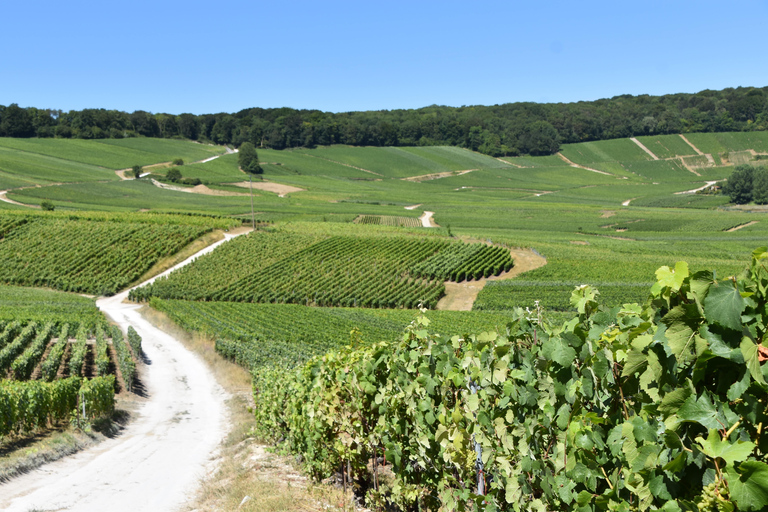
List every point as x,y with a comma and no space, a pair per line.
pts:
157,462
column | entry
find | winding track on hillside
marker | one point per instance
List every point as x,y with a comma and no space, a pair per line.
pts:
157,462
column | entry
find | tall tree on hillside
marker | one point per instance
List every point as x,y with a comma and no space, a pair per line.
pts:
760,185
739,184
248,159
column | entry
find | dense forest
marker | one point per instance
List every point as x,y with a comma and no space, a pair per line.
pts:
509,129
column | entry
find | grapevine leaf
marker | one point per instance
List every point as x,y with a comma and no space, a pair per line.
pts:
636,362
669,278
719,347
749,485
700,411
674,400
473,402
680,332
556,350
700,283
715,447
751,357
724,305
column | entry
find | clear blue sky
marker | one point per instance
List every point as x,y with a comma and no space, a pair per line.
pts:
205,57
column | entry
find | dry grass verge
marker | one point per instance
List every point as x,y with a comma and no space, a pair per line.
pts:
245,475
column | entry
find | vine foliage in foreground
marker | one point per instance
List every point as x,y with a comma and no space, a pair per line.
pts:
653,407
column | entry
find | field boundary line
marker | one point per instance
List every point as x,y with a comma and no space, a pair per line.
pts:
437,175
346,165
578,166
742,226
697,150
688,167
642,146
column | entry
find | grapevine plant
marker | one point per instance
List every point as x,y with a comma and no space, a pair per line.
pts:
660,406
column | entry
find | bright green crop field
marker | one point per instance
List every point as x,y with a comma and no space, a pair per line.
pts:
612,228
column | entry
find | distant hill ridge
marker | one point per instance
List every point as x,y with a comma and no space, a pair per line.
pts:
499,130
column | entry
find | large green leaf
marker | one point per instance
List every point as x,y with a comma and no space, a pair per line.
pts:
724,305
672,278
681,332
558,351
751,353
749,485
715,447
701,411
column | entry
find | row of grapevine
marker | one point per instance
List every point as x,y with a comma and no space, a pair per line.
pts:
107,256
125,360
30,405
23,365
50,366
653,407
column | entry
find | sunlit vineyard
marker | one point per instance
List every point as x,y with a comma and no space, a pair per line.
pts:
53,359
388,220
83,255
348,271
257,335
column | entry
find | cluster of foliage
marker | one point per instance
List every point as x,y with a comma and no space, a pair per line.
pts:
500,129
105,257
653,407
351,271
388,220
285,335
31,405
747,183
247,159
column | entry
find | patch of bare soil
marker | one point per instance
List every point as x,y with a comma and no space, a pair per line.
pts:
461,296
742,226
413,207
604,214
269,186
579,242
642,146
4,198
427,221
203,189
573,164
437,175
620,230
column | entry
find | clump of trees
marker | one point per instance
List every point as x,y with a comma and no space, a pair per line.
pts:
747,183
508,129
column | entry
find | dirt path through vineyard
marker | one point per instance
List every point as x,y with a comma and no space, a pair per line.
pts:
461,296
157,462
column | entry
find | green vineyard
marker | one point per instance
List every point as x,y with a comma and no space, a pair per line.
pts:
345,271
107,256
388,220
56,353
285,335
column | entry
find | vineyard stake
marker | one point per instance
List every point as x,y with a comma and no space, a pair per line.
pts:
478,450
250,186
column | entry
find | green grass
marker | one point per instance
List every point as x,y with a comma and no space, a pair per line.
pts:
39,305
113,153
617,150
716,143
393,162
667,146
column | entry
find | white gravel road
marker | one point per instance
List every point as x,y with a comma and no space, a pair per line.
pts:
157,462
